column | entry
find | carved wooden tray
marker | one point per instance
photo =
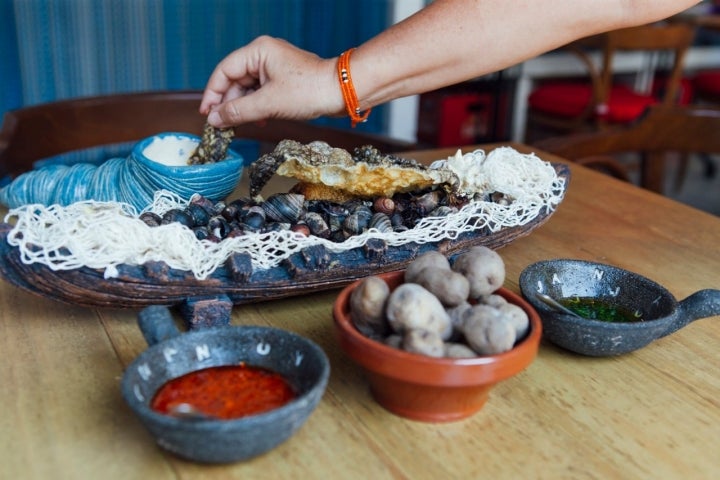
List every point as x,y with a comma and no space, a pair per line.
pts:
310,270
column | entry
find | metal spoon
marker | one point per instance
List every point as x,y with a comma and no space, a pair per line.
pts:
186,411
548,300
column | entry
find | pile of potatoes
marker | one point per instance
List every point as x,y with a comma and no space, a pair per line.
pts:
442,310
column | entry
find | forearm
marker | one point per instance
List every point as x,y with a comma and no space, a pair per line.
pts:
448,42
453,40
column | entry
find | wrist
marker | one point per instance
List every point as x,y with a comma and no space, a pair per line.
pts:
376,77
329,90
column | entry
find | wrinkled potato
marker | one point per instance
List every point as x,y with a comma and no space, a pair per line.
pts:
394,341
432,258
424,342
457,313
517,317
487,331
451,288
432,313
411,307
484,269
459,350
367,307
494,300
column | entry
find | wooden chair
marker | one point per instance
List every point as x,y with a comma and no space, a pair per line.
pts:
41,131
706,83
663,129
592,103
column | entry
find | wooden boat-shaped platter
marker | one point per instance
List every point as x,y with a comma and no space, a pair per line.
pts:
209,301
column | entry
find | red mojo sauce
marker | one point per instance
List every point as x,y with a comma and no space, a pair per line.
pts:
226,392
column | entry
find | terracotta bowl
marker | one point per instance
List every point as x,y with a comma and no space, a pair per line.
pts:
425,388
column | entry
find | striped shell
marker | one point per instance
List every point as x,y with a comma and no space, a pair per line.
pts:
132,180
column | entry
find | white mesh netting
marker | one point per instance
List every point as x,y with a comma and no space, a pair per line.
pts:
104,235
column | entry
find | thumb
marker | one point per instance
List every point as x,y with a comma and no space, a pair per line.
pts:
245,109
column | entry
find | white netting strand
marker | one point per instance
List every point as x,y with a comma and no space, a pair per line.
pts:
104,235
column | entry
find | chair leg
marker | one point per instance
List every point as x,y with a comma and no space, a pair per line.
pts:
653,172
681,173
710,168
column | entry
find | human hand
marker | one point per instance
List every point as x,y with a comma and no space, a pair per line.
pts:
270,78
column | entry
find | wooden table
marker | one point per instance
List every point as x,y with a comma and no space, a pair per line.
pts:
654,413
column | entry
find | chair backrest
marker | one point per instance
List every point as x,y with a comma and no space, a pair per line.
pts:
675,37
673,128
41,131
663,129
601,77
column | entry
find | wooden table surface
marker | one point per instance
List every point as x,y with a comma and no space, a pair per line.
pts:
654,413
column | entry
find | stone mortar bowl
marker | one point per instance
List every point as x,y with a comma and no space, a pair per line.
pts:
662,314
431,389
171,354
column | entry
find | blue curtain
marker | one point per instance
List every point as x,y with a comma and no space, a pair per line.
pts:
55,49
10,89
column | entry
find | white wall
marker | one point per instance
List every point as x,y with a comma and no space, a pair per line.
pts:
403,112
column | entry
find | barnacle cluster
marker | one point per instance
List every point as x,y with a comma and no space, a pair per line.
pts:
326,173
213,145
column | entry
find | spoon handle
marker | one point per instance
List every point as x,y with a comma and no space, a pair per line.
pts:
551,302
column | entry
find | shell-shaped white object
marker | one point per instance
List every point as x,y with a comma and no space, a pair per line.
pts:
155,163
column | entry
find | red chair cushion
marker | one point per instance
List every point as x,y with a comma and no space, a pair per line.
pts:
625,105
685,90
564,99
569,99
708,82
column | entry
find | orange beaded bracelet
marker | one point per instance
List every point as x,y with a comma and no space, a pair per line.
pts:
348,90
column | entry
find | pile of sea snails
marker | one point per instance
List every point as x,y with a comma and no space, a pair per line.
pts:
442,309
291,211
